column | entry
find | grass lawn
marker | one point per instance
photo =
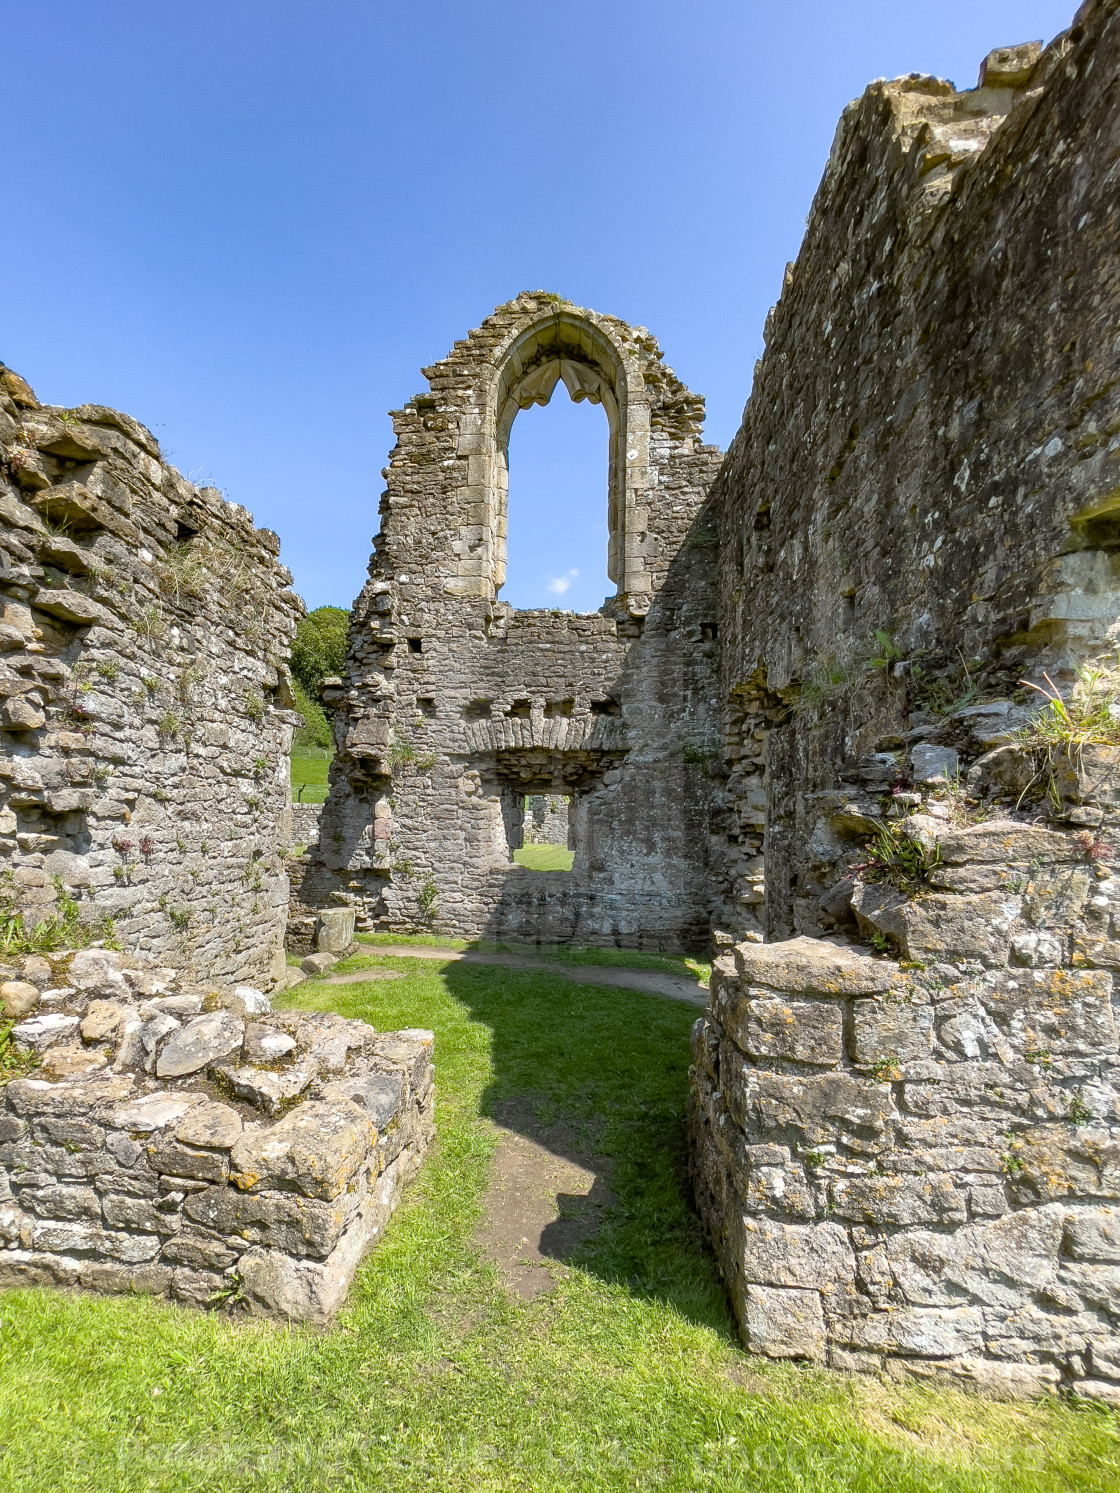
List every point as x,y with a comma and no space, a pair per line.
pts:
544,857
626,1376
310,773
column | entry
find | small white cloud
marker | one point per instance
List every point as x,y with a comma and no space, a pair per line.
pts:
560,583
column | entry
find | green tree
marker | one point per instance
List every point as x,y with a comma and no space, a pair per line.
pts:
319,648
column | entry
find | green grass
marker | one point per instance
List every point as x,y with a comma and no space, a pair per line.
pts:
627,1376
673,964
544,857
309,771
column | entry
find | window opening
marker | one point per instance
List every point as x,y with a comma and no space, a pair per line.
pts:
556,506
545,833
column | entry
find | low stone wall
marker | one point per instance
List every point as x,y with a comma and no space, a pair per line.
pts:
305,823
915,1164
194,1144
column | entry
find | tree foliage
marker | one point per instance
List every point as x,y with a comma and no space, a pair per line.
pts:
319,647
318,650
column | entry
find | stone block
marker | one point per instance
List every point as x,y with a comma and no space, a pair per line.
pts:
34,1096
1058,1011
269,1091
210,1125
68,1203
1005,842
102,1020
178,1160
807,1031
931,1332
315,1150
810,966
40,1032
19,998
879,1200
380,1095
200,1043
891,1031
86,1239
811,1256
784,1323
315,965
335,932
811,1110
1093,1233
120,1211
154,1111
288,1221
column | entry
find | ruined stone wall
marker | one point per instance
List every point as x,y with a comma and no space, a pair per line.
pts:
906,1135
920,504
199,1147
546,820
455,706
146,721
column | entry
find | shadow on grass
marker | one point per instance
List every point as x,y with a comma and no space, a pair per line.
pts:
599,1076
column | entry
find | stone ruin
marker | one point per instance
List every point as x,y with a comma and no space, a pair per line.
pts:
175,1136
545,820
808,731
200,1146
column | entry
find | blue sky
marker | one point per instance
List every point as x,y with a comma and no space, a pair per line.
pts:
250,222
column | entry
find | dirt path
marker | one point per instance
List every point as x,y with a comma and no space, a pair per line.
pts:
545,1198
651,981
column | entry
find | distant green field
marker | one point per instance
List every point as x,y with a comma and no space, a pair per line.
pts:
544,857
310,774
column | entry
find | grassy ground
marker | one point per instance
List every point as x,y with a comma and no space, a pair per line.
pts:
544,857
673,964
309,772
627,1376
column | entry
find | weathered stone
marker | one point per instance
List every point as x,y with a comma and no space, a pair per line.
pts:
783,1323
315,965
68,1062
807,1031
85,1239
205,1040
154,1111
816,1256
265,1045
210,1125
315,1150
19,998
298,1225
379,1094
40,1031
336,930
933,1332
894,1031
897,1200
268,1091
805,966
102,1020
188,1161
934,764
1006,842
246,1002
1053,1010
1093,1234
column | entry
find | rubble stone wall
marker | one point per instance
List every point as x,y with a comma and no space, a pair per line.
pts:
146,716
921,501
905,1117
546,820
199,1146
455,706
